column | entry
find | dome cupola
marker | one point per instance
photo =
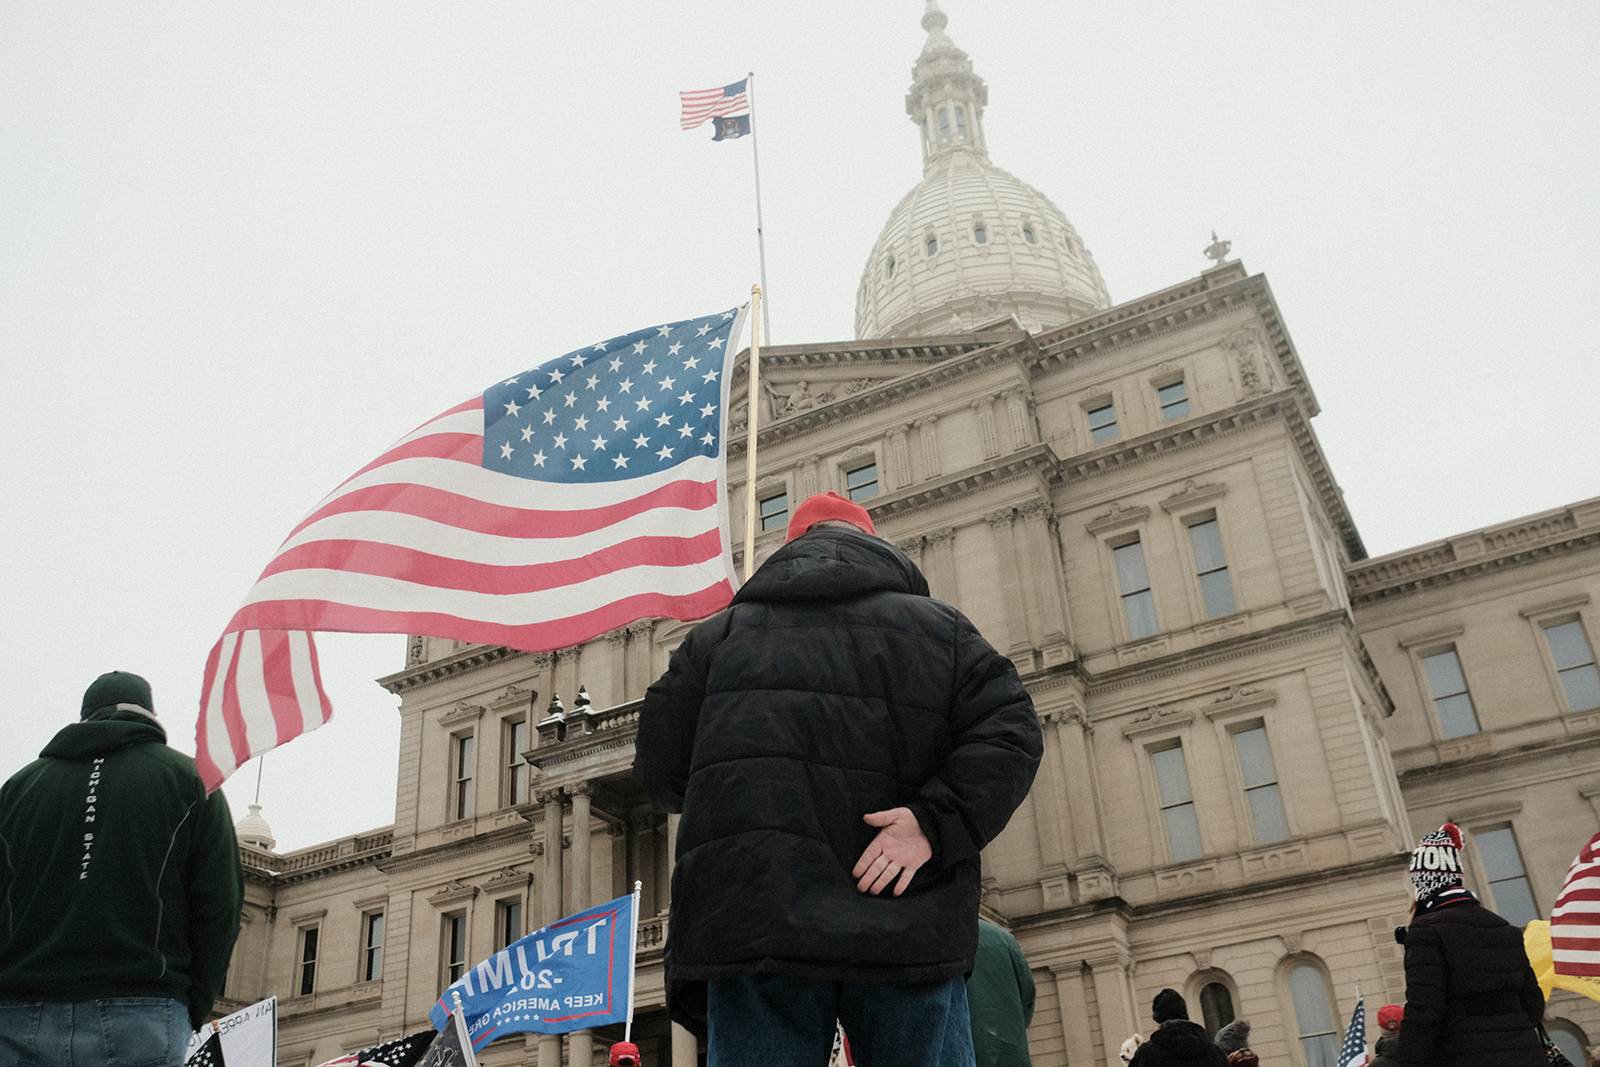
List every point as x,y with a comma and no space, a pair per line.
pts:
970,243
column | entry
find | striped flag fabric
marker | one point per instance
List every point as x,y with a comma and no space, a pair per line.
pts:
1575,920
559,504
702,104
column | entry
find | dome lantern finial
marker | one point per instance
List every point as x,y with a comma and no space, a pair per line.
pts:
947,99
934,20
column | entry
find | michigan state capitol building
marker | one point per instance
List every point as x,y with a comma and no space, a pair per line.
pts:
1248,721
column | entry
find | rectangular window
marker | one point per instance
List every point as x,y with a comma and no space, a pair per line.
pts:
461,794
1138,604
372,949
308,961
1177,806
961,124
1212,567
509,926
1261,785
455,947
1174,401
1450,694
1103,423
1575,665
1508,882
516,767
775,509
944,125
861,482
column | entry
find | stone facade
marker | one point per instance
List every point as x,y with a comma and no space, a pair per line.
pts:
1245,733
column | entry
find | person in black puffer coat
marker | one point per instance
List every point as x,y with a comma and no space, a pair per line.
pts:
1176,1042
1471,997
841,747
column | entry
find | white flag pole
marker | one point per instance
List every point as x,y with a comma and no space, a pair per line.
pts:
633,960
761,239
750,434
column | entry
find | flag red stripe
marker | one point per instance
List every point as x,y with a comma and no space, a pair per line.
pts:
469,513
278,676
232,715
1575,944
535,637
209,771
445,572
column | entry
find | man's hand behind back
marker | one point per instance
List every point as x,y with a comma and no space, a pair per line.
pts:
899,849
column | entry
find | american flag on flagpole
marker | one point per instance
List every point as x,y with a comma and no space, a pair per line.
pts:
1575,920
559,504
1353,1053
702,104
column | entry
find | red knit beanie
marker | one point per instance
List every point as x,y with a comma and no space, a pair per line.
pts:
826,506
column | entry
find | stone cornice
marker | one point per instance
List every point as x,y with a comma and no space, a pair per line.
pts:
450,853
463,662
1476,553
1183,662
1037,461
962,361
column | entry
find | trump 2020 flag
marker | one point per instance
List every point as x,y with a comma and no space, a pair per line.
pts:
1575,920
1353,1053
562,502
571,975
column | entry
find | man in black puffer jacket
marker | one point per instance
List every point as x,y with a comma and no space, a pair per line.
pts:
834,733
1471,997
1176,1042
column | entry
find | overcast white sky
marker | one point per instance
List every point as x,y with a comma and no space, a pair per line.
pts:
243,247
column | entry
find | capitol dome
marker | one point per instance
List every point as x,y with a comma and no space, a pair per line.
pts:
970,243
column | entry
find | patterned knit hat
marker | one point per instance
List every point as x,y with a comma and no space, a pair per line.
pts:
1436,863
825,506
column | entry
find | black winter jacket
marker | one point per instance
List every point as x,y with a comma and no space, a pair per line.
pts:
1471,997
832,686
1179,1043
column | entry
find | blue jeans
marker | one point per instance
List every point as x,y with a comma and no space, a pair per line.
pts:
114,1032
783,1021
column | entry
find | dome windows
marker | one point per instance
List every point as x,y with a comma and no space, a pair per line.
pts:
1027,233
888,268
961,124
980,231
932,244
943,115
944,124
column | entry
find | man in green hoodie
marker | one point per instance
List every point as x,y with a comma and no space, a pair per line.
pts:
120,890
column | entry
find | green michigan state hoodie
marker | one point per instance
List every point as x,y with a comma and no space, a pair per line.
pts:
119,877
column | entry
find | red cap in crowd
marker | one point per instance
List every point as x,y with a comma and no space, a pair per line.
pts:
826,506
1389,1017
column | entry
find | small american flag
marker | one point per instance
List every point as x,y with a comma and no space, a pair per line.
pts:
1353,1053
401,1052
561,503
702,104
209,1054
1575,920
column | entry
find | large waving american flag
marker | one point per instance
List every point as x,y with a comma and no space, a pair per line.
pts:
1575,920
559,504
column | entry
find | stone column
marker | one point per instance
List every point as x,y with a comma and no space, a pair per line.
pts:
564,673
1074,1007
1047,615
929,428
1113,993
550,1044
1005,547
1092,865
808,482
637,671
1017,418
642,861
580,1043
1053,815
941,570
984,406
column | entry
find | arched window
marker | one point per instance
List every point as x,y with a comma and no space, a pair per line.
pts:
1027,234
961,124
1567,1039
944,125
933,244
980,232
888,268
1313,1016
1216,1007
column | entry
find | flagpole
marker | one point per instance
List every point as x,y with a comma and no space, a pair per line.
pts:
750,434
633,944
761,240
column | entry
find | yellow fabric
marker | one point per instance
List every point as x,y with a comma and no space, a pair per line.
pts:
1536,941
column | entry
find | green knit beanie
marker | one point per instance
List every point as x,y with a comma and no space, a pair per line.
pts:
117,687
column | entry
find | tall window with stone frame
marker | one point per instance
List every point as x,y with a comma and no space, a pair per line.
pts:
1102,421
516,767
1574,660
372,946
1211,567
1173,400
861,482
1133,585
1260,785
1216,1006
508,922
307,970
1313,1016
1508,880
1177,803
1450,697
774,511
453,945
463,758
